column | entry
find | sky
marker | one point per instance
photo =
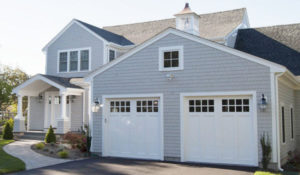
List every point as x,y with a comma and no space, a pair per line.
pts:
26,26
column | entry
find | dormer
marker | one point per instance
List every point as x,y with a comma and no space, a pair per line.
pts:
187,20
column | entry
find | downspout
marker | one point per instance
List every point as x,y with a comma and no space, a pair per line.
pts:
277,121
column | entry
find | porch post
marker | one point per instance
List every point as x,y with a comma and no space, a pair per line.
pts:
63,122
28,114
19,120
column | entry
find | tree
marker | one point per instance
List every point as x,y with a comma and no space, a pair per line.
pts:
50,136
9,79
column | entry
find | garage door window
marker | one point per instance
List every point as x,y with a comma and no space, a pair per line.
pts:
147,106
120,106
201,105
235,105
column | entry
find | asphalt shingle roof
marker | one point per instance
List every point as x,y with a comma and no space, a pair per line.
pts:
62,81
211,26
279,44
107,35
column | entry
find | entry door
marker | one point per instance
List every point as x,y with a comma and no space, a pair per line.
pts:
133,128
52,108
219,130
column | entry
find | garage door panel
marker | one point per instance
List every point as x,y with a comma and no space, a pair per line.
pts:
134,131
222,135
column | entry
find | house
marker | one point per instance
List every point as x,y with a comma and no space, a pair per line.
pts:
194,88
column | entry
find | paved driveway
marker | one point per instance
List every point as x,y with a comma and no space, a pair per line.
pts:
109,166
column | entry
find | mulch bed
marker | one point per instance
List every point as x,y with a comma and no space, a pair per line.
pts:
52,150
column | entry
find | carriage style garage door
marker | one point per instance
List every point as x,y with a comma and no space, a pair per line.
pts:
219,130
133,128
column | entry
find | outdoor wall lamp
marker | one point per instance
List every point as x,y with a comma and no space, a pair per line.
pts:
170,76
40,98
96,105
263,102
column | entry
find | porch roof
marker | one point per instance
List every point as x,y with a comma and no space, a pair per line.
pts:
40,83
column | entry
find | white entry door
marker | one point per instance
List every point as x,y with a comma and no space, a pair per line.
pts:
219,130
133,128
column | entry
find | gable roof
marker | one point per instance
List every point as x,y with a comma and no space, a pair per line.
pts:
107,35
65,82
212,26
97,32
273,66
279,44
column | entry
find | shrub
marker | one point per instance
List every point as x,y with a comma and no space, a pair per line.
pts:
50,136
8,131
11,122
77,141
63,154
266,151
40,145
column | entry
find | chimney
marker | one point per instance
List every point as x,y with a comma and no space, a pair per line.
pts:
187,20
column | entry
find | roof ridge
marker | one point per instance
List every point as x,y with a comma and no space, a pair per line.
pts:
171,18
279,25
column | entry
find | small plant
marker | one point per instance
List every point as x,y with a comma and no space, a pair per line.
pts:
50,136
8,131
77,140
63,154
46,149
40,145
266,151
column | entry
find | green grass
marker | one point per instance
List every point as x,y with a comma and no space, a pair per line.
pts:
9,163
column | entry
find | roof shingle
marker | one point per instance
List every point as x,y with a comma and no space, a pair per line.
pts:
212,25
62,81
279,44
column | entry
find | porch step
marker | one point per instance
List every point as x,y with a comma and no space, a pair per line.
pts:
31,135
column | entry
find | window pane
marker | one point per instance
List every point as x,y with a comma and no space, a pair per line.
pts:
138,103
238,108
167,55
204,109
112,103
192,109
231,101
231,109
138,109
112,55
204,102
63,59
149,109
167,63
238,101
246,108
211,109
175,63
191,102
73,60
144,109
211,102
224,102
198,109
225,109
155,109
84,60
127,103
246,101
127,109
175,54
198,102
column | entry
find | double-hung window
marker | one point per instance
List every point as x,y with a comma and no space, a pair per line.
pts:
63,61
74,60
171,58
84,60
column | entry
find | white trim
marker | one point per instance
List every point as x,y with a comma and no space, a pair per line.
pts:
18,89
274,67
78,61
161,52
159,95
90,101
106,58
28,112
219,93
273,107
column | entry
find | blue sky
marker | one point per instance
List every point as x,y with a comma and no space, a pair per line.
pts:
27,26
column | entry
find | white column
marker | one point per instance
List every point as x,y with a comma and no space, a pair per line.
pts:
20,107
28,114
63,106
19,121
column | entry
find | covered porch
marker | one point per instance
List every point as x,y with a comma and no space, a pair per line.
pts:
51,101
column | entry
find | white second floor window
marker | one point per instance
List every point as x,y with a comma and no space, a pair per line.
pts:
63,61
171,58
75,60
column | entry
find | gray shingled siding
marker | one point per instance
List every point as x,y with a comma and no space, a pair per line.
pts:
73,38
205,69
286,98
36,114
76,114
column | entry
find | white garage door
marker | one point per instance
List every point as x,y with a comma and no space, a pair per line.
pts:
133,128
219,130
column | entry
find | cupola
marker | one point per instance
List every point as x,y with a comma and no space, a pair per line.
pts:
187,20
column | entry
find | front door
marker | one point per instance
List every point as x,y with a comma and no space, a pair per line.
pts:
52,108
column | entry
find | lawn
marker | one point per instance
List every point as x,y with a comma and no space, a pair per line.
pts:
9,163
264,173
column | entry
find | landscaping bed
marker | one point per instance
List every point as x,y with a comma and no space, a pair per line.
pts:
57,150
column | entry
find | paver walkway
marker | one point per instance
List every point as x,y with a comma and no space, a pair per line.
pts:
21,149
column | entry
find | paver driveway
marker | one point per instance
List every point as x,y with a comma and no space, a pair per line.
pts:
109,166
